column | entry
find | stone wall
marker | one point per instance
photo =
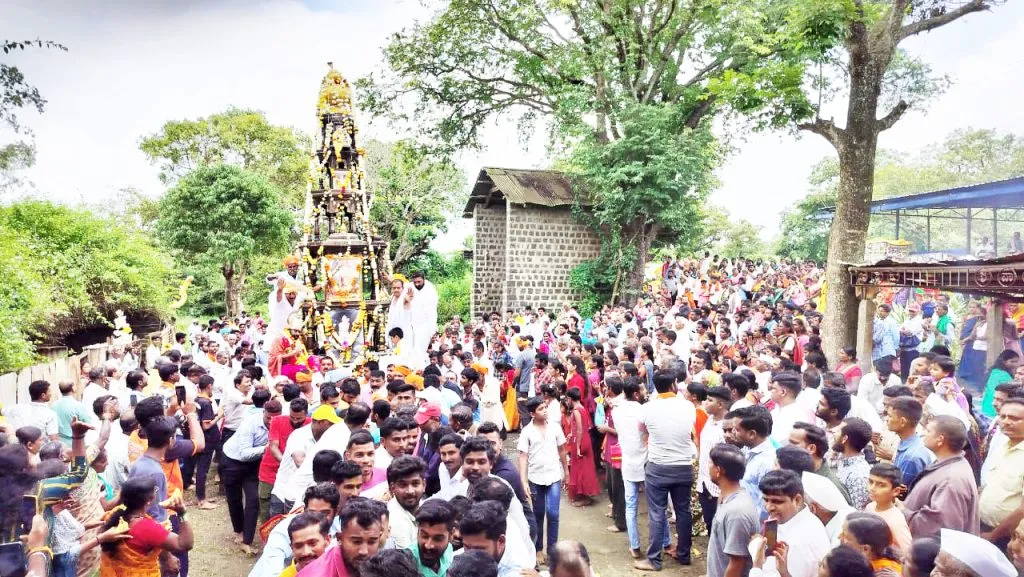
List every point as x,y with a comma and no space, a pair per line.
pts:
544,246
489,235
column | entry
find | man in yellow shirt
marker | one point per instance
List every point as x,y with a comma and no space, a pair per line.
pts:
1002,503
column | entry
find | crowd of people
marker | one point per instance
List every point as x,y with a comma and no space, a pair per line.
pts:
448,454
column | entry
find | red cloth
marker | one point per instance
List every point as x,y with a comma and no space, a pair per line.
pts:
147,535
582,474
280,429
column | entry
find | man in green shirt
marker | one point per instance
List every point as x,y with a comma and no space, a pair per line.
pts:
69,408
435,520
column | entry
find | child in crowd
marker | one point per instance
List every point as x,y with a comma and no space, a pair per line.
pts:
885,485
943,369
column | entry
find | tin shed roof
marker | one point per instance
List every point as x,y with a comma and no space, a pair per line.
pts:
520,186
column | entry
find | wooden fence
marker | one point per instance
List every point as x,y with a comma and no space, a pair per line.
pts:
58,367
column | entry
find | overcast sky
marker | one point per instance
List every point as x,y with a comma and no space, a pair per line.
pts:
134,64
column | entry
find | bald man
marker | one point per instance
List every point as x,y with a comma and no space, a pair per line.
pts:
569,559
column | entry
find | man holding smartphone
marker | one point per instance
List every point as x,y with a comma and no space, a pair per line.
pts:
800,539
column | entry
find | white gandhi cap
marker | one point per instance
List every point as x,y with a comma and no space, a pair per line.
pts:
823,491
979,555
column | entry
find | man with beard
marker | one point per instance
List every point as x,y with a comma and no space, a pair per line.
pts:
435,521
483,528
422,315
406,481
360,537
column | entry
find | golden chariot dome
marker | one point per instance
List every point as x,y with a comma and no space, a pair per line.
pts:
335,94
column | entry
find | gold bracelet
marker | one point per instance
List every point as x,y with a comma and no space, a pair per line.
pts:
44,550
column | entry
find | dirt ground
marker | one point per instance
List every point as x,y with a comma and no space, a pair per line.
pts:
216,555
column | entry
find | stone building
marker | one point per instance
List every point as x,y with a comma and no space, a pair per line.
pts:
525,240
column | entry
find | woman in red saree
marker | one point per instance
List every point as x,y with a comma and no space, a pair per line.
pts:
140,555
583,483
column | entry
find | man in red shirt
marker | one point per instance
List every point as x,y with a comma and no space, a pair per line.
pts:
280,429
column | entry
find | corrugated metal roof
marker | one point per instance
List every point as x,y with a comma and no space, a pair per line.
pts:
1007,193
520,186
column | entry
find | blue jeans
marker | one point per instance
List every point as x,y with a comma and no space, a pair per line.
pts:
546,500
660,481
64,565
632,492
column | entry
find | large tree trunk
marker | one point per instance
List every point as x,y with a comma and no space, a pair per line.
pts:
234,280
856,145
642,235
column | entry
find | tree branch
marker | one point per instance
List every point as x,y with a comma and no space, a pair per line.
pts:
943,19
887,121
824,128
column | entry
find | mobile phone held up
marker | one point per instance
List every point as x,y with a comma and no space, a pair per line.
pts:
771,536
29,508
179,392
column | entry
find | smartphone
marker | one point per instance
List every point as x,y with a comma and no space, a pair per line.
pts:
12,560
771,536
29,509
179,392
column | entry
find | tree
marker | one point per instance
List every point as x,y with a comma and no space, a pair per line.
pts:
67,268
966,156
414,194
858,41
742,239
238,137
227,217
596,72
15,94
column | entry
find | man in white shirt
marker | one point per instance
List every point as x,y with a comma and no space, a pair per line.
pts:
297,450
282,302
626,415
716,405
36,413
236,403
667,425
800,534
543,467
784,389
97,387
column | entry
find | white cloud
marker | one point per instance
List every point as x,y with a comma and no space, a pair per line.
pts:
131,66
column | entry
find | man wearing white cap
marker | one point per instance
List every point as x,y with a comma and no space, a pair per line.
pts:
966,555
827,503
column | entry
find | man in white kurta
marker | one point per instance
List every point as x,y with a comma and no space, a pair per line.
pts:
399,312
422,315
283,301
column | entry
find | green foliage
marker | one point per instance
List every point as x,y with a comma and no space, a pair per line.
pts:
414,194
16,94
224,217
742,238
625,86
238,137
599,281
65,268
453,297
658,173
803,234
966,156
